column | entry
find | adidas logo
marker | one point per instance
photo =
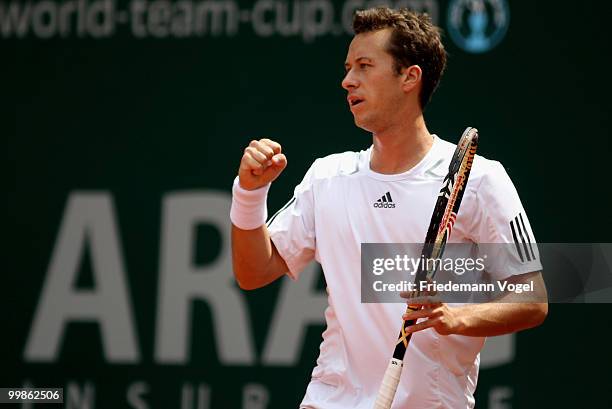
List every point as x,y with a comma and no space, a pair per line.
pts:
385,202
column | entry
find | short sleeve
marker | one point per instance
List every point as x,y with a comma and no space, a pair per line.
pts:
501,227
292,228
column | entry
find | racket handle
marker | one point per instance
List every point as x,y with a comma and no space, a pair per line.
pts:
386,393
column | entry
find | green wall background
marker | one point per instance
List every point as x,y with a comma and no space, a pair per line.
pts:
143,118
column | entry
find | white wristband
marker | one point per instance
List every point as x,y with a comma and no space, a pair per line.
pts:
249,210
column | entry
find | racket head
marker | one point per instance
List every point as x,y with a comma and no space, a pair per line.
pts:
449,199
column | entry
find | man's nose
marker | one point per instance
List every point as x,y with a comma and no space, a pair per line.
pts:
349,81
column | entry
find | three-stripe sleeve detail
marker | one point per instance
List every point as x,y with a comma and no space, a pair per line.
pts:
527,234
518,247
523,246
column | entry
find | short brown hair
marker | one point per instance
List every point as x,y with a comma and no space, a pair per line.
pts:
414,41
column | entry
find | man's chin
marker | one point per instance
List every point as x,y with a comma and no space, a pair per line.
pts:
360,123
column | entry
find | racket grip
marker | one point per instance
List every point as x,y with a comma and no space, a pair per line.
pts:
386,393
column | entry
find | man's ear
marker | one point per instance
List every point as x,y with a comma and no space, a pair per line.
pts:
411,77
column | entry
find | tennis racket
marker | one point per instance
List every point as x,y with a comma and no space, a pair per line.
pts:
440,228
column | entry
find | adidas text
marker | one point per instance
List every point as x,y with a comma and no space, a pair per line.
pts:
385,202
384,205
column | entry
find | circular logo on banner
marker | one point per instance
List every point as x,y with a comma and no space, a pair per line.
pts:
477,26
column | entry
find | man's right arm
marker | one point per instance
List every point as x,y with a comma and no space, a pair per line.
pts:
256,261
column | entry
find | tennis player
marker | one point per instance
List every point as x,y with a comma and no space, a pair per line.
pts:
385,194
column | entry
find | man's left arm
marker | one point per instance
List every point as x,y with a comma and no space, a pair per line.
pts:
510,313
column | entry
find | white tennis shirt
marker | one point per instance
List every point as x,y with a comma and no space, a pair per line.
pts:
342,203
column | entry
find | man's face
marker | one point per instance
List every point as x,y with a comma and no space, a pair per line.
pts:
375,93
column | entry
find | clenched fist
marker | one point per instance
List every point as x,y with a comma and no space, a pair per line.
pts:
261,163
